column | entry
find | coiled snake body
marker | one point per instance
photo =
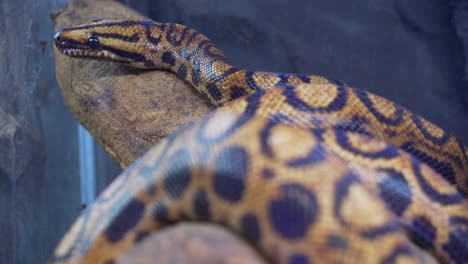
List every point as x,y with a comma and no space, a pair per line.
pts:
310,171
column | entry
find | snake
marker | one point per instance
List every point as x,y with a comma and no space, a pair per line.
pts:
304,168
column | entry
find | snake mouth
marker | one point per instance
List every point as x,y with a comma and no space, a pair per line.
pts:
92,54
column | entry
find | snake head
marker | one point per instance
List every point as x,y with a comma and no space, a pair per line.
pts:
121,41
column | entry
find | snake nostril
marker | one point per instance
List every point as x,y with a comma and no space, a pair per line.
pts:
57,38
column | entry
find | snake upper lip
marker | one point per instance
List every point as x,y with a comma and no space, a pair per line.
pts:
66,45
62,43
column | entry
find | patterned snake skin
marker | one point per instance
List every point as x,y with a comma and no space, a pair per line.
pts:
309,172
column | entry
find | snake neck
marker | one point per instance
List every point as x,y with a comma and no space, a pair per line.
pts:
195,59
206,68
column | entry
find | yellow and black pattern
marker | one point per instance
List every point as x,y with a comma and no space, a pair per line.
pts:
332,106
311,171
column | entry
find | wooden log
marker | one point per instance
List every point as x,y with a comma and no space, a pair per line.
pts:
192,243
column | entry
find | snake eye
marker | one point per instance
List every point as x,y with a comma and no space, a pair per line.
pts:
93,43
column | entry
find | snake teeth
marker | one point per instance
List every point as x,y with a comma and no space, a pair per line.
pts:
88,53
84,53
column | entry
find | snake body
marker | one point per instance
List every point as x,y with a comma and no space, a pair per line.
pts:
310,171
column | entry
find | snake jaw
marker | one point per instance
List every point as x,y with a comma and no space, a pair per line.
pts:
92,54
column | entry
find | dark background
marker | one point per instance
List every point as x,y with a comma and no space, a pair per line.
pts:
410,51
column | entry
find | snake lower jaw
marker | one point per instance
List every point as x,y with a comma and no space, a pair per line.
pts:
93,54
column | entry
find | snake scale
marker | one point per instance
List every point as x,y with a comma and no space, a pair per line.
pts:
312,171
